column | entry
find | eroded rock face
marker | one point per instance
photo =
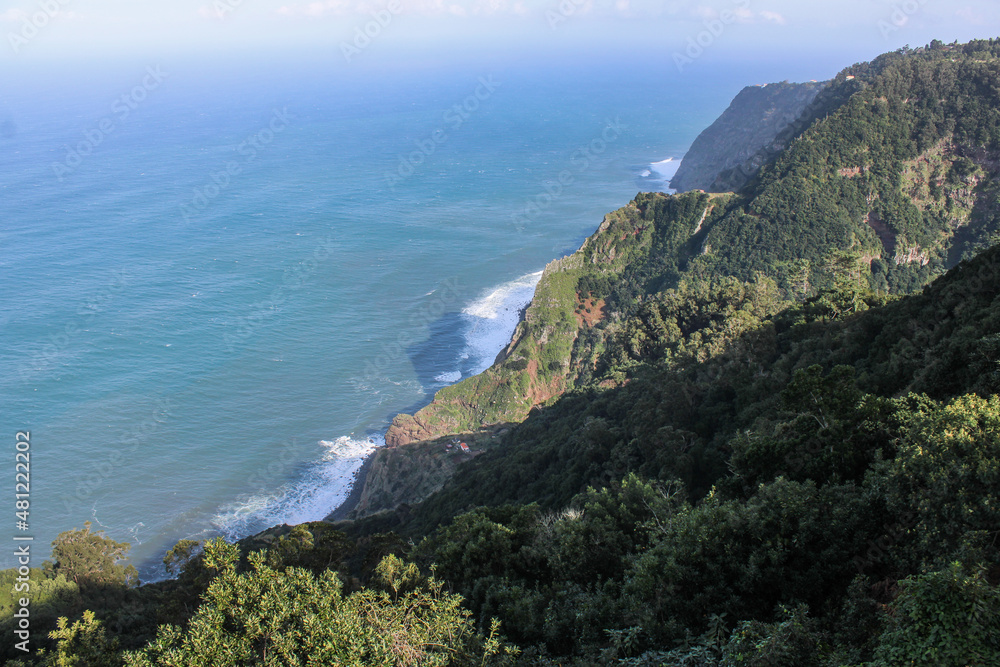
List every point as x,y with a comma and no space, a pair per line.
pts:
740,142
539,362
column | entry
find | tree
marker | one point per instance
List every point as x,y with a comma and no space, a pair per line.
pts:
943,618
92,559
83,644
799,279
946,475
269,617
176,559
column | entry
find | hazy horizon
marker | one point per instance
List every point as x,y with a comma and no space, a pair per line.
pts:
201,153
426,33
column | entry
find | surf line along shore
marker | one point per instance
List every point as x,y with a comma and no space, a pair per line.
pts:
514,297
357,486
664,171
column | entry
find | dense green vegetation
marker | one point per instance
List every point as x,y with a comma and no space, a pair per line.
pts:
758,455
752,123
894,164
938,108
821,488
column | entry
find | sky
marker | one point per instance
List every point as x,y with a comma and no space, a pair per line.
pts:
678,32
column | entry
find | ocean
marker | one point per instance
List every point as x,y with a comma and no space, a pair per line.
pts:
220,281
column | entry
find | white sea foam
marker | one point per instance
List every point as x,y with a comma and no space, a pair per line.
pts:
327,482
497,301
323,486
664,172
493,318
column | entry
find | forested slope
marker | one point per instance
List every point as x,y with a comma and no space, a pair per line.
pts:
749,128
814,485
752,450
893,180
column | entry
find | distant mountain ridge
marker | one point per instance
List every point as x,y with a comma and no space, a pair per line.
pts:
745,429
734,147
890,175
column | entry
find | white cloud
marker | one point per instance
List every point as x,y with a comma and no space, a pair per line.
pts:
773,17
967,14
330,7
13,15
445,7
743,15
630,9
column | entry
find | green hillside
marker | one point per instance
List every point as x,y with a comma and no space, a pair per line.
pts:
894,181
819,488
751,129
759,428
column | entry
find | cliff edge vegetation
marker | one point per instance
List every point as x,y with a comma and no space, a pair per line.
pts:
893,184
746,135
777,442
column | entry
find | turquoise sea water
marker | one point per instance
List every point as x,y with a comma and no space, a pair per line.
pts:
220,283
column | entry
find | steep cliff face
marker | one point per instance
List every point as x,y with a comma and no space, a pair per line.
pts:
545,355
563,329
739,139
406,475
889,176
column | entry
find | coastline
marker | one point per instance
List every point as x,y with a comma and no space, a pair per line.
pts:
502,354
341,512
357,486
665,171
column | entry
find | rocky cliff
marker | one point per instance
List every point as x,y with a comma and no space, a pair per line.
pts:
884,178
537,365
737,145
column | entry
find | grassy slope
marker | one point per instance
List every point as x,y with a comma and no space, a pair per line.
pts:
906,184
